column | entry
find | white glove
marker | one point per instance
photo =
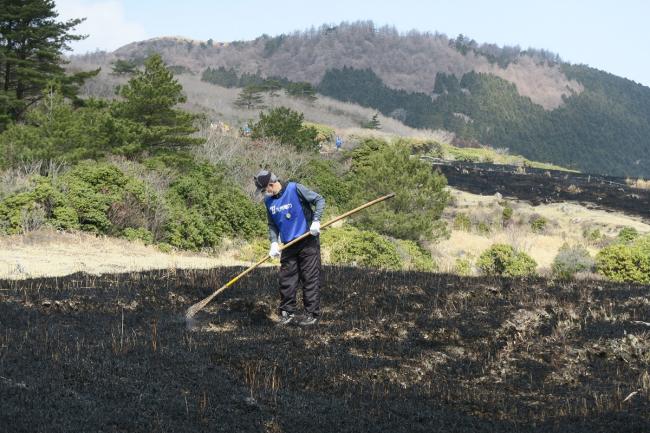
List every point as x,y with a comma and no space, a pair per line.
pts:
314,229
275,250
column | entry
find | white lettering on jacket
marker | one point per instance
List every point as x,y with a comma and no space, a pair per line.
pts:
275,208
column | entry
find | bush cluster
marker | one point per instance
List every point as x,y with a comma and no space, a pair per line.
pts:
626,262
324,177
286,126
506,215
414,257
204,209
462,222
502,260
463,267
80,199
628,234
538,224
351,246
570,260
197,211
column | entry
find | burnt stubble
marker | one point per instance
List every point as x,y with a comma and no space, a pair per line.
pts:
394,352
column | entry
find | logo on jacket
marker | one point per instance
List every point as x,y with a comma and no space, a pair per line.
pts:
274,209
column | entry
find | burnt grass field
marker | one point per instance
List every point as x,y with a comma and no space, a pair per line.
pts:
548,186
395,352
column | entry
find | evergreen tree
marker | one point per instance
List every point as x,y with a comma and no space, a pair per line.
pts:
301,90
286,126
272,86
373,123
420,197
148,101
124,67
56,130
31,45
250,97
221,77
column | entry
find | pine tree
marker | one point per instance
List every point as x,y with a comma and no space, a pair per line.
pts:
250,97
124,67
31,46
373,123
301,90
272,86
148,101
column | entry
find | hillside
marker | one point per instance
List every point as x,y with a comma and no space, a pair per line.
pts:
528,101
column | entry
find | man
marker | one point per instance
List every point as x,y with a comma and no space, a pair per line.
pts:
290,215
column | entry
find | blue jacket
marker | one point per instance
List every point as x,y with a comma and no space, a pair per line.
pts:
290,212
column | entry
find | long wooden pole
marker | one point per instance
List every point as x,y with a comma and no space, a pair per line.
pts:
191,312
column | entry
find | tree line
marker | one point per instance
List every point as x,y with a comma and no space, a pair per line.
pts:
602,129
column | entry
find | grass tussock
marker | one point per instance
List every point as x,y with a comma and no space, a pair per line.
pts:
639,183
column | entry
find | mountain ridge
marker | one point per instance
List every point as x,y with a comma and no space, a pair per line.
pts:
552,110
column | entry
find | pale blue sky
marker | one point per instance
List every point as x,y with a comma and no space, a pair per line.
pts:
608,35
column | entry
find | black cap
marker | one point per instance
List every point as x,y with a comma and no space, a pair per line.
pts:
263,178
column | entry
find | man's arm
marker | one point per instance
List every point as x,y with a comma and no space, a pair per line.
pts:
312,198
274,234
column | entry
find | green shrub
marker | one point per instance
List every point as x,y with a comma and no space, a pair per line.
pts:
503,260
628,234
286,126
42,198
91,189
326,178
538,224
414,257
592,235
506,215
139,233
351,246
625,263
254,251
462,222
165,247
463,267
483,228
197,211
420,196
324,133
205,208
571,260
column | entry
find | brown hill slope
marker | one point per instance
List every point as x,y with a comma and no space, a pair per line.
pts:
406,61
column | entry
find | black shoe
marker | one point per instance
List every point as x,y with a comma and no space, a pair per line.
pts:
309,319
287,318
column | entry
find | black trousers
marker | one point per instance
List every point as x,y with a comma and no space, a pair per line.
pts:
301,264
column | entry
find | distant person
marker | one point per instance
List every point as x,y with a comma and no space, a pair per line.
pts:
246,130
339,143
290,214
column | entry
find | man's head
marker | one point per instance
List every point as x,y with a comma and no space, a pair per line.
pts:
266,181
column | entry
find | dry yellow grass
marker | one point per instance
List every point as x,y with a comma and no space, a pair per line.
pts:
51,253
565,224
638,183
